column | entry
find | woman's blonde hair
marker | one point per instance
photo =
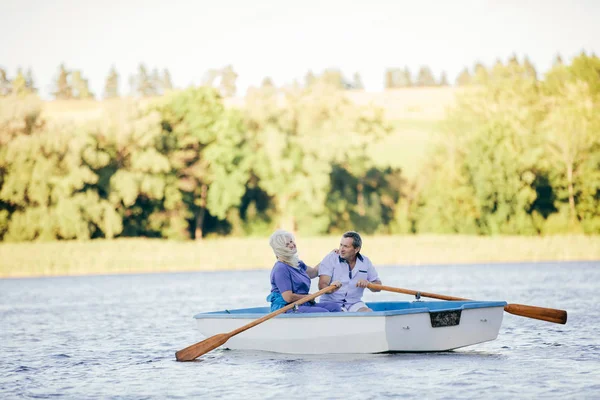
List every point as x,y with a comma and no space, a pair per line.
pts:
278,242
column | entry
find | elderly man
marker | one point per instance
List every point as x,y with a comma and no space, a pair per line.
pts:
354,270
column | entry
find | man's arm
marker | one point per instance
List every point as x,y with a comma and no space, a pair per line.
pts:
378,282
324,281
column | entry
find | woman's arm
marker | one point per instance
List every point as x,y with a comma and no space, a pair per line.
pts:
291,297
312,272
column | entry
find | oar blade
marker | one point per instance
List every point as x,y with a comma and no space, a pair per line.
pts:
541,313
194,351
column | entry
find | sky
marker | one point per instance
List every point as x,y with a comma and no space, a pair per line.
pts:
285,39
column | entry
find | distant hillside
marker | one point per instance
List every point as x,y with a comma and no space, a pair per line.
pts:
399,104
414,113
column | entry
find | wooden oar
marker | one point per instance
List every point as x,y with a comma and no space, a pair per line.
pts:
196,350
541,313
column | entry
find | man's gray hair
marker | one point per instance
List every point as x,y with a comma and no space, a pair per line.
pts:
278,242
356,239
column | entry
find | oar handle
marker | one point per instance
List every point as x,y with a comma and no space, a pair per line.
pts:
541,313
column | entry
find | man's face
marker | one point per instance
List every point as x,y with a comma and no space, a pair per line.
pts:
347,251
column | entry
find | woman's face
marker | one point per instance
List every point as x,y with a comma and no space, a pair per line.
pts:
290,244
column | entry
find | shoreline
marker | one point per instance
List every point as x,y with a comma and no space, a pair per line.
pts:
138,255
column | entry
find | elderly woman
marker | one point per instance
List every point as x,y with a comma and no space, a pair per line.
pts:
290,277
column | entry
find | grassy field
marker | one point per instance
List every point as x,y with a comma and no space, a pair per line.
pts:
428,103
152,255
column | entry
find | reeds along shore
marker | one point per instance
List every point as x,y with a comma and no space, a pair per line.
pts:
153,255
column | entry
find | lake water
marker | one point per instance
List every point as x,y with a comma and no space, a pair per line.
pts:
115,337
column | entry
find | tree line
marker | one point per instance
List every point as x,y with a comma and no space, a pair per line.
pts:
72,84
517,155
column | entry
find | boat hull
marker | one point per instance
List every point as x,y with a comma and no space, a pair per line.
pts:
393,327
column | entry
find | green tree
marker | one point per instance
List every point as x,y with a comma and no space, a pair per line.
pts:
267,82
443,79
80,86
557,60
464,78
134,172
425,77
111,87
397,78
480,73
572,142
357,83
292,148
366,202
5,83
19,84
63,90
142,84
223,79
309,79
166,82
335,78
530,70
48,187
19,116
208,154
483,176
29,81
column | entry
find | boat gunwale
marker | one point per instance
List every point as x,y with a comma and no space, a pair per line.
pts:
452,306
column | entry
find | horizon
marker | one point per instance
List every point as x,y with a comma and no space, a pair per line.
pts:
365,37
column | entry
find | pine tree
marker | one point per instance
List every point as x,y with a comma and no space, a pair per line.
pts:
357,82
267,82
480,73
111,87
425,77
80,86
309,79
143,84
558,60
228,78
529,68
407,78
166,83
464,78
443,79
29,83
5,83
156,83
63,90
19,84
397,78
389,79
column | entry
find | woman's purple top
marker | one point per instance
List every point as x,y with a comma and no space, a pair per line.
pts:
285,277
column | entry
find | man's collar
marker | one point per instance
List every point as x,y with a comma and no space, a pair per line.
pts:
343,260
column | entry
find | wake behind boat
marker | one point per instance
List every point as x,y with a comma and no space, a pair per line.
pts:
418,326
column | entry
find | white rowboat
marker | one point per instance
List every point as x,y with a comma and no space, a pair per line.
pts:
418,326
